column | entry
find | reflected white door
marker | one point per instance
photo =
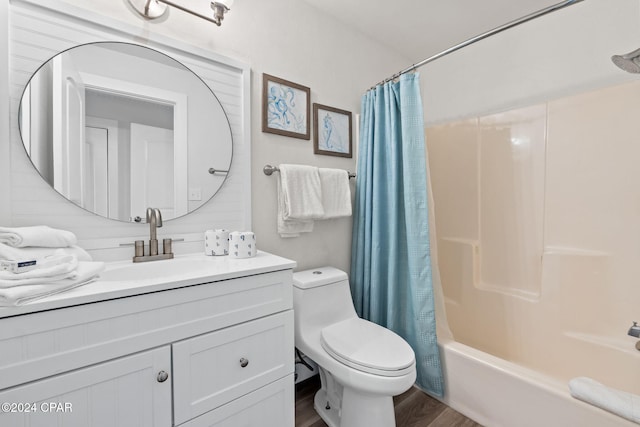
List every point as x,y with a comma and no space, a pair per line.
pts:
68,129
95,174
116,169
153,172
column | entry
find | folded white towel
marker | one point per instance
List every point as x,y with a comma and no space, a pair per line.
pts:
53,269
51,263
86,272
336,193
35,253
40,235
301,192
624,404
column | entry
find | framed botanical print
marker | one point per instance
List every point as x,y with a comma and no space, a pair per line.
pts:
332,128
285,108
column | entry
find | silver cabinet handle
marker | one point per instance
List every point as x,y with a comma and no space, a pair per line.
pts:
162,376
244,362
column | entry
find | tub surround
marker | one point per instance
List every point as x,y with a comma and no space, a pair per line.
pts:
531,275
529,252
140,340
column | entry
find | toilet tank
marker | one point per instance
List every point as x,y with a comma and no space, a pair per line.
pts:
321,296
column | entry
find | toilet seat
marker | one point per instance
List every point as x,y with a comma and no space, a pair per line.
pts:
368,347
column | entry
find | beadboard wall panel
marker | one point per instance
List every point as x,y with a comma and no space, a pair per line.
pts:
39,30
5,154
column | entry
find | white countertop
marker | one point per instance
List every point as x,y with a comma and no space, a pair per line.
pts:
125,278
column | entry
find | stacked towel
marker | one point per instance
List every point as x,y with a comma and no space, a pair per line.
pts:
37,253
86,272
51,269
40,235
57,264
306,194
618,402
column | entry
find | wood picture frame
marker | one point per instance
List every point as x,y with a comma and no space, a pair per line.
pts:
286,108
332,131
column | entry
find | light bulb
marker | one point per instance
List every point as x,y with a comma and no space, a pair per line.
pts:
226,3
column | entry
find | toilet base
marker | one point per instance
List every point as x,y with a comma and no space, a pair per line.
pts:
340,406
358,411
329,414
365,410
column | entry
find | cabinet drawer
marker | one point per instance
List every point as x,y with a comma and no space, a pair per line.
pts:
269,406
213,369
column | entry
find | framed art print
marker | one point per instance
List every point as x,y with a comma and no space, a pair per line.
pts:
332,128
285,108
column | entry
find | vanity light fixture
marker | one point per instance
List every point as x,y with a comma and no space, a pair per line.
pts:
152,9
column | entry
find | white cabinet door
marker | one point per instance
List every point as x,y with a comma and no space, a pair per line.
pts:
269,406
121,392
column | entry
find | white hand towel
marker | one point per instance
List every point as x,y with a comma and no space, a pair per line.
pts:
288,228
40,235
301,192
336,193
626,405
86,272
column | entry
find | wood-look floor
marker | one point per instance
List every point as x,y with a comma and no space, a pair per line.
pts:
414,408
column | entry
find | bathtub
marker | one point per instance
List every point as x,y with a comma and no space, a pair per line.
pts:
498,393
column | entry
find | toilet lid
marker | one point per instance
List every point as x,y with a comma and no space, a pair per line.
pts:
368,347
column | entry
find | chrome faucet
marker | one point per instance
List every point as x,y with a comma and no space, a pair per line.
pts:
154,219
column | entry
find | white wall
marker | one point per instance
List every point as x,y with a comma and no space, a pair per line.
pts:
562,53
291,40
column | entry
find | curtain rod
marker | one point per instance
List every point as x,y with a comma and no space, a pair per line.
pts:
482,36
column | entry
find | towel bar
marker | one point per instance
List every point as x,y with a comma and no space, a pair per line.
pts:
269,170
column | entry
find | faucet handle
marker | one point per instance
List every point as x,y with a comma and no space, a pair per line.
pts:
634,330
166,246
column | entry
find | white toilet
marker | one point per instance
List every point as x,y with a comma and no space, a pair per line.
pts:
362,365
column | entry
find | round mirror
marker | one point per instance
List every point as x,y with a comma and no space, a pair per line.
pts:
117,127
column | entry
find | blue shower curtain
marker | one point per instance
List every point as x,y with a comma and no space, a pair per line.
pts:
391,261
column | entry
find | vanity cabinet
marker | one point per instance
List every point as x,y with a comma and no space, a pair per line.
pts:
216,353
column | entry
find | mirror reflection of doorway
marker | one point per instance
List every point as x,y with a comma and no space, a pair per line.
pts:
103,149
124,83
145,177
